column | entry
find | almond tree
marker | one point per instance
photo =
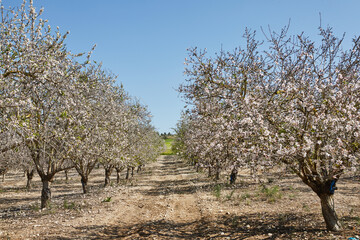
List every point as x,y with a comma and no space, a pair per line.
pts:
94,120
216,90
310,102
38,73
295,104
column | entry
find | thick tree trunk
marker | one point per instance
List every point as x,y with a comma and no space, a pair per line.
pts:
30,175
329,214
233,175
45,193
84,183
107,176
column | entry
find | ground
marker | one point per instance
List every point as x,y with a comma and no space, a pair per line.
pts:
170,200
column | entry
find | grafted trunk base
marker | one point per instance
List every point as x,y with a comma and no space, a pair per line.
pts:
329,214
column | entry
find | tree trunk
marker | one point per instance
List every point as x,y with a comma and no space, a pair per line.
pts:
107,176
45,193
210,172
217,174
139,168
328,211
118,170
132,171
84,183
30,175
233,175
3,172
66,175
127,173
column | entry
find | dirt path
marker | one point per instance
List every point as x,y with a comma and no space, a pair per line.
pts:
169,200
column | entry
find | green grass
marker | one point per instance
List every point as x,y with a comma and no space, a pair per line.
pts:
271,193
168,144
217,191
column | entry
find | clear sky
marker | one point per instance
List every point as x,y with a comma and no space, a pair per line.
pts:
144,42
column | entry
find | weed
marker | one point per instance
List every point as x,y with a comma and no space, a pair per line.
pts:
272,193
351,211
357,219
68,205
248,202
108,199
228,197
292,196
217,191
282,219
34,207
245,196
50,209
306,207
235,221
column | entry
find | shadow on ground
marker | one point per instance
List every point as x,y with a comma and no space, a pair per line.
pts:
254,226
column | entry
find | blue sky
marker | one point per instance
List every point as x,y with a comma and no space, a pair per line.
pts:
144,42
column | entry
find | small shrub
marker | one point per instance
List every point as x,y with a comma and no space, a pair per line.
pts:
108,199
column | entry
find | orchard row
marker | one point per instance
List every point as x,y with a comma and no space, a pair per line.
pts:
59,110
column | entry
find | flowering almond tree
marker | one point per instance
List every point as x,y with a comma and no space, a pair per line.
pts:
37,73
296,104
310,104
90,114
216,90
